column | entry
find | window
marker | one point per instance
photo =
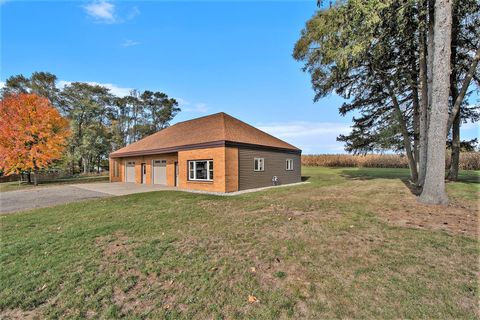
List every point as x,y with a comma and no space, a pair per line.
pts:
289,164
200,170
259,164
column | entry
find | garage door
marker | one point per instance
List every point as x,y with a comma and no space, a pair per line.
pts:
160,171
130,172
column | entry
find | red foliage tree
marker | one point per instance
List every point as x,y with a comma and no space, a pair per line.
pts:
32,133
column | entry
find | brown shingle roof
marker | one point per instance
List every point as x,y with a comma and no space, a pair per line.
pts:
209,130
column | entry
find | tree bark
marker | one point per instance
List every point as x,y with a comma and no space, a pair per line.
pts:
35,176
455,155
426,67
434,187
406,137
423,110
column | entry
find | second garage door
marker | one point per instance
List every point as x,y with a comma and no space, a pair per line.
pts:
130,172
160,171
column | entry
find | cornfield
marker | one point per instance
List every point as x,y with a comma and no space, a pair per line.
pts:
468,160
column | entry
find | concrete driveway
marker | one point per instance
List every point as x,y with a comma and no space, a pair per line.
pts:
41,197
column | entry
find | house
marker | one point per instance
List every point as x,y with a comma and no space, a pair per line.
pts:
216,153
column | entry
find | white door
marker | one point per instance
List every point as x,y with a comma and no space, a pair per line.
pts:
144,173
130,172
160,171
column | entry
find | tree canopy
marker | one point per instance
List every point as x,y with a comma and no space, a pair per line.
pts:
33,135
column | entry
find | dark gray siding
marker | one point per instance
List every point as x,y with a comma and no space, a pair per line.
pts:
275,165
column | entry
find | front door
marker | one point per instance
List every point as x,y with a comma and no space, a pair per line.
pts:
144,173
176,173
160,172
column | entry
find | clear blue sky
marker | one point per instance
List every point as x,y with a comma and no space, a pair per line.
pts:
213,56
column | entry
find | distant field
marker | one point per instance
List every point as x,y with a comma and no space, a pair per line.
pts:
15,185
468,160
354,243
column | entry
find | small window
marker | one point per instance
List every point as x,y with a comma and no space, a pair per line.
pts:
289,164
259,164
201,170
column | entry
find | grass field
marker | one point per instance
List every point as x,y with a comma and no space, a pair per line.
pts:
354,243
15,185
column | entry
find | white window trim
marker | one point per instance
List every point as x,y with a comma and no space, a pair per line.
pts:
262,162
209,178
286,165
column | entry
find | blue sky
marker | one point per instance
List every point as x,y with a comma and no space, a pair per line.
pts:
228,56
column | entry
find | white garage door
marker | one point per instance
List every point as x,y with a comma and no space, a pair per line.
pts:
130,172
160,171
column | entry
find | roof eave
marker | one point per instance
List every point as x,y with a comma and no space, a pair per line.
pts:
213,144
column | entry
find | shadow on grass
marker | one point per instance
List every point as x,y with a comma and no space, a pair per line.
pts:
305,178
401,174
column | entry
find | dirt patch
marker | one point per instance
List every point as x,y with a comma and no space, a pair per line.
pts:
114,245
19,314
393,203
131,298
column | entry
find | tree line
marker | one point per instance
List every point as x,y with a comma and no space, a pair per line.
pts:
407,68
100,122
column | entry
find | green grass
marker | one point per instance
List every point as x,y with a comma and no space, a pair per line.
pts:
328,249
15,185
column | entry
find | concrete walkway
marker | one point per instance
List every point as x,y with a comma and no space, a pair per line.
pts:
121,189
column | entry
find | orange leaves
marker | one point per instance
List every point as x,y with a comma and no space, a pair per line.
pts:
32,133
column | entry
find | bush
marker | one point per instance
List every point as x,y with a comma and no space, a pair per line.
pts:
468,160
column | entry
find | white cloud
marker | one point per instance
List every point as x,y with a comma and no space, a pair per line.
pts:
2,84
129,43
311,137
186,106
101,11
105,11
133,13
114,89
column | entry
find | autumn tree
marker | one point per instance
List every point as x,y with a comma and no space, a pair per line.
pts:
32,136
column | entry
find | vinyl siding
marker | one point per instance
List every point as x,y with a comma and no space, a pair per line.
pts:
275,165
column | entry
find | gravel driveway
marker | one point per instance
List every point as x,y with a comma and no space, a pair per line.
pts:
41,197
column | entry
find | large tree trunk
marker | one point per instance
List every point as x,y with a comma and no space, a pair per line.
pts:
455,156
434,187
426,66
423,109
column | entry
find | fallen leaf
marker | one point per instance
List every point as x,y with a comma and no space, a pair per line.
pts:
253,269
252,299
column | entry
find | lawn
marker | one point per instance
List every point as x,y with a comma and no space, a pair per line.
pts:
15,185
354,243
